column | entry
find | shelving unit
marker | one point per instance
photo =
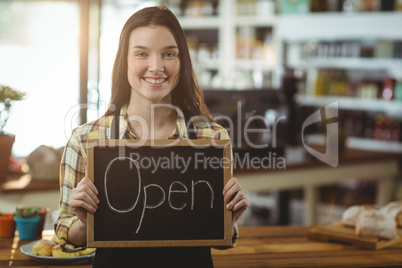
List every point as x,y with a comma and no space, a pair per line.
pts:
332,27
227,23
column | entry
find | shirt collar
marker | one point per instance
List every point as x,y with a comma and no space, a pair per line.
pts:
180,132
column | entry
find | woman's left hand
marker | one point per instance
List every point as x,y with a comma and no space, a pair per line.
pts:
235,198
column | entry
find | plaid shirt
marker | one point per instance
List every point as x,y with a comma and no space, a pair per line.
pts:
73,163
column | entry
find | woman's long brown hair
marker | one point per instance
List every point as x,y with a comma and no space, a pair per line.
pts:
187,95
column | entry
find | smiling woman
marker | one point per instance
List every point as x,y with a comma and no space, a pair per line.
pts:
39,55
153,82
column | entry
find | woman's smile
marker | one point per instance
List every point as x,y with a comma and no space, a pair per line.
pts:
155,81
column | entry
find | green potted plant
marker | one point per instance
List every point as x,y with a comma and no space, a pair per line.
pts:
27,220
7,225
8,96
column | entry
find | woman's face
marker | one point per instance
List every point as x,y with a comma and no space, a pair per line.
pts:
153,64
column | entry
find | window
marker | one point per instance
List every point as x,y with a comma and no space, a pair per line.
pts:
39,55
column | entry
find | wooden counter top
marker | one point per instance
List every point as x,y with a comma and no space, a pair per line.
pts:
268,246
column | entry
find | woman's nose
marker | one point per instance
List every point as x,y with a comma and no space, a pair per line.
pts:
156,64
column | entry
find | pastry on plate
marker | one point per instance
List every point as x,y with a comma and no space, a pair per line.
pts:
43,247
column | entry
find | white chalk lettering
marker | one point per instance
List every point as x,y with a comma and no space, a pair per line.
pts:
192,192
175,188
139,184
177,191
146,206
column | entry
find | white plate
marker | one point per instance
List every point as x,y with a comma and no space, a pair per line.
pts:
27,250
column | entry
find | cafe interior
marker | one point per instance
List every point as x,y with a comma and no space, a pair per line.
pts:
310,93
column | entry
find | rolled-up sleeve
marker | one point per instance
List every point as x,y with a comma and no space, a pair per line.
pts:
72,170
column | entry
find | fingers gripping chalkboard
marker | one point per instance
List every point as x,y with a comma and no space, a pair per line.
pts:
154,194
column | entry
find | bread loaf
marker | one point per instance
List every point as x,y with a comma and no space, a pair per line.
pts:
349,216
373,223
394,209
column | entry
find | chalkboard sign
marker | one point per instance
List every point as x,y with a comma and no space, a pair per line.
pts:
153,193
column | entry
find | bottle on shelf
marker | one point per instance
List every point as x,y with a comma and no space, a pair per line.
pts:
384,49
350,6
367,90
341,85
320,83
370,125
363,85
245,42
334,5
246,7
318,6
269,54
369,5
388,89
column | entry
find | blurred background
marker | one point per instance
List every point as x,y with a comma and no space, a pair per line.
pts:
264,64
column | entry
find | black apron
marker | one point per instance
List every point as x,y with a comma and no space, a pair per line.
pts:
177,257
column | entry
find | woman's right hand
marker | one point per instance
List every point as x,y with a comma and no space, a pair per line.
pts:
84,198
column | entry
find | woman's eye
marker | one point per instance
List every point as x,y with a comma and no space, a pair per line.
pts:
141,54
170,55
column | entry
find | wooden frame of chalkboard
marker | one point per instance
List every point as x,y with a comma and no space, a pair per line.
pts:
159,193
